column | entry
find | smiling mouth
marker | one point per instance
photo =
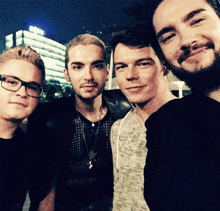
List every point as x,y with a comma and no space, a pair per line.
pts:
192,54
195,50
134,87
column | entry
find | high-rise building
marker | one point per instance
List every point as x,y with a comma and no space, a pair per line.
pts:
52,52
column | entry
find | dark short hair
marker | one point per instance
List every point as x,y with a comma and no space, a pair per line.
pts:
139,35
215,4
85,39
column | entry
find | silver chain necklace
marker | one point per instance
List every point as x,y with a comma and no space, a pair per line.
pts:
91,154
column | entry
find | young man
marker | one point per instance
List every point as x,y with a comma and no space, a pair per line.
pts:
21,76
76,131
183,163
143,80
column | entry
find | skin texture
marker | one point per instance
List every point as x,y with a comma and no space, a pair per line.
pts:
189,41
87,71
18,105
139,73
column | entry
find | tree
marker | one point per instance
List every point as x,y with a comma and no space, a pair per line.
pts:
53,89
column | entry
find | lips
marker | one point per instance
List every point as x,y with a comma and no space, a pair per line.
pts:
19,103
194,51
92,85
134,88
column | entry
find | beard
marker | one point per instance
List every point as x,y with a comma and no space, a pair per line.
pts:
203,80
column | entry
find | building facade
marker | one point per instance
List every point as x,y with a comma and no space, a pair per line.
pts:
52,52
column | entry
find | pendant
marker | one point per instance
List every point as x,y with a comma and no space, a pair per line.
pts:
90,164
93,124
92,155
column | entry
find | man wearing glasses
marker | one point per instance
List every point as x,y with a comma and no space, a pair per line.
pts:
22,74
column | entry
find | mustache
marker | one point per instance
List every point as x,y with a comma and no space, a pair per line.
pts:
189,50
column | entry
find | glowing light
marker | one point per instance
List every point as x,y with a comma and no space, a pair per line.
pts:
36,30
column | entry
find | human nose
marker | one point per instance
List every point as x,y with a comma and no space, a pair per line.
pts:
131,73
88,73
22,90
188,39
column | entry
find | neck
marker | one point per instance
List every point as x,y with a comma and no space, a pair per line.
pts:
144,110
214,94
92,110
8,128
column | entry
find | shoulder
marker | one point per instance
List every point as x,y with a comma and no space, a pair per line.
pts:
117,103
125,126
49,109
48,113
127,120
175,109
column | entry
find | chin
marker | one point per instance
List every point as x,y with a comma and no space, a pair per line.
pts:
203,78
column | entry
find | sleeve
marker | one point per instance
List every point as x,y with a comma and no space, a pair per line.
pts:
42,155
174,164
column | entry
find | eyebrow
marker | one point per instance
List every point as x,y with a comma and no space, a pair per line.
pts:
171,28
98,62
144,59
76,63
139,60
164,30
192,14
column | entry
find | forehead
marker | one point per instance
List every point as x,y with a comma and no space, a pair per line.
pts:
123,52
85,53
22,69
170,12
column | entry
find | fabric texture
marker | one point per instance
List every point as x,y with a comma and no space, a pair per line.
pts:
128,141
77,185
13,172
183,162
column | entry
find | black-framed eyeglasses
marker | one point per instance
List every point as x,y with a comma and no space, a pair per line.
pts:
13,84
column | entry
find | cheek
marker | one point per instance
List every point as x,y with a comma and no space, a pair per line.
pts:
168,52
120,77
33,104
100,76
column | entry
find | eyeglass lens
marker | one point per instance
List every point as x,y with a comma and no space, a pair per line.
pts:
14,84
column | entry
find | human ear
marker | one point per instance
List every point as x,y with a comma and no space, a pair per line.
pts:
66,74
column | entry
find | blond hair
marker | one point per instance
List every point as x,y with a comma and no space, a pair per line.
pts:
26,53
85,39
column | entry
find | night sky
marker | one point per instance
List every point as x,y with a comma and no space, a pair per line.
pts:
62,20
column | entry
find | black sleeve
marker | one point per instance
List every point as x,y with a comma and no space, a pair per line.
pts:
182,166
42,154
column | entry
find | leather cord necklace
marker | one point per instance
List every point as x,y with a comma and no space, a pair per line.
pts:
91,153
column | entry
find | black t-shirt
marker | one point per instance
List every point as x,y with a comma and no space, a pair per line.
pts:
13,172
183,162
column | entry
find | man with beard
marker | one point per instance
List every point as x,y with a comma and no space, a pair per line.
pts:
183,139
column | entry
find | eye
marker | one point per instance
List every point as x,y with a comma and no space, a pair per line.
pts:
143,64
34,87
166,38
197,21
119,67
77,67
11,81
99,66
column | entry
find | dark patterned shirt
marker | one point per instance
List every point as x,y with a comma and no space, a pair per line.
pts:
79,185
